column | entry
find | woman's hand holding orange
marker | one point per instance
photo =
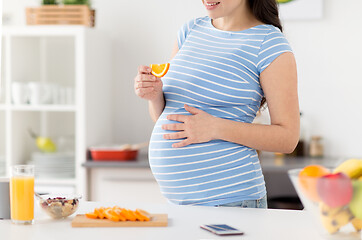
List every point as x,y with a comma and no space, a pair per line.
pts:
196,128
146,85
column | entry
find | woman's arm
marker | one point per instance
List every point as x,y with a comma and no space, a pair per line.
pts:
279,83
156,106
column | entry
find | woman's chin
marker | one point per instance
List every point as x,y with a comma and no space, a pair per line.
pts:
213,15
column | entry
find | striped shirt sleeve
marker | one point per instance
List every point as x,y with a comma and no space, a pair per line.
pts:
183,32
272,47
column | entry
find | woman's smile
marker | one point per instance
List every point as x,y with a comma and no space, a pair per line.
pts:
211,5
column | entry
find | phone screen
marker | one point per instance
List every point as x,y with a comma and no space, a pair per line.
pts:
222,229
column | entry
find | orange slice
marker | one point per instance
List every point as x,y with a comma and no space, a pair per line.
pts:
91,215
110,215
99,212
119,214
159,70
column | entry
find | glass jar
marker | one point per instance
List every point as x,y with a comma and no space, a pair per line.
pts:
316,148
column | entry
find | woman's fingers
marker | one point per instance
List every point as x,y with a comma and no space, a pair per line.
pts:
182,143
174,126
176,135
177,117
144,84
142,69
192,110
145,78
142,91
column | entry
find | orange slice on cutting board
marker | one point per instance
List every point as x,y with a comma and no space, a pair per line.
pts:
159,70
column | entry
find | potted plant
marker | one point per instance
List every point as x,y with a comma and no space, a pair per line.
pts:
66,2
49,2
61,12
76,2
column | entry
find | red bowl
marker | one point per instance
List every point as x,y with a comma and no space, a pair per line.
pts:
113,155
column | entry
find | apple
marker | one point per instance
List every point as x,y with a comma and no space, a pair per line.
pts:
356,203
335,189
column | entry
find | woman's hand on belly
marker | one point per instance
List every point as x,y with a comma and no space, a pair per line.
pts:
196,128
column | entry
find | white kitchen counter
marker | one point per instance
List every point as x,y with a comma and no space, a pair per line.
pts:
184,222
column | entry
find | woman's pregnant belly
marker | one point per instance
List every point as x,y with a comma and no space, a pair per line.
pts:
209,173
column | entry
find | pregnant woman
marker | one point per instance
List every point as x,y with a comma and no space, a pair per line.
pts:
224,67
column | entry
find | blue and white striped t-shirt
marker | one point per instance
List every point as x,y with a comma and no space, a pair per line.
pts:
217,72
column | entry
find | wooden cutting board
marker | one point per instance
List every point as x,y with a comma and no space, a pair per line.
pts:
157,220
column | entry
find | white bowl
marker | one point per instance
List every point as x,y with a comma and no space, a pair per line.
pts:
59,206
332,221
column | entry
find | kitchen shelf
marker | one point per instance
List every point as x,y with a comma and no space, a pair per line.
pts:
48,108
55,181
41,31
73,57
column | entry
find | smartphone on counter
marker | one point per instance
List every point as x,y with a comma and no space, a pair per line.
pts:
222,229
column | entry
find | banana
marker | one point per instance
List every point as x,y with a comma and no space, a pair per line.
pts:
357,224
351,167
334,218
327,211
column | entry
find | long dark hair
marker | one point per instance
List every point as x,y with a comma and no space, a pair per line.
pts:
267,12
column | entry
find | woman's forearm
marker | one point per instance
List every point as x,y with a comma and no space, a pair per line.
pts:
155,107
271,138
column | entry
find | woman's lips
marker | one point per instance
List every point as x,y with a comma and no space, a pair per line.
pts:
211,5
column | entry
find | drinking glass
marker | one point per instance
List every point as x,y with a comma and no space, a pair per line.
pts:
22,194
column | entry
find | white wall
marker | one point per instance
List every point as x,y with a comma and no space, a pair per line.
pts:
328,52
329,57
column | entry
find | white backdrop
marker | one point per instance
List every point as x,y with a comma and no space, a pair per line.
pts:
328,53
301,10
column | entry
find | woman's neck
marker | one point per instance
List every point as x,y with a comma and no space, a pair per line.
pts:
239,19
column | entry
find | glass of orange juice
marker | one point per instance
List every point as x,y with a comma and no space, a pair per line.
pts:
22,194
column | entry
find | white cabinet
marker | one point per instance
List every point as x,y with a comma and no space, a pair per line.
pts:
73,57
124,185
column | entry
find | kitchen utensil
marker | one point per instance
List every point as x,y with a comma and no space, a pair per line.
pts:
54,165
124,152
39,93
157,220
58,206
138,146
20,93
112,154
4,198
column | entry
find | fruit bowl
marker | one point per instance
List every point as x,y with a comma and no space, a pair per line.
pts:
331,198
57,206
